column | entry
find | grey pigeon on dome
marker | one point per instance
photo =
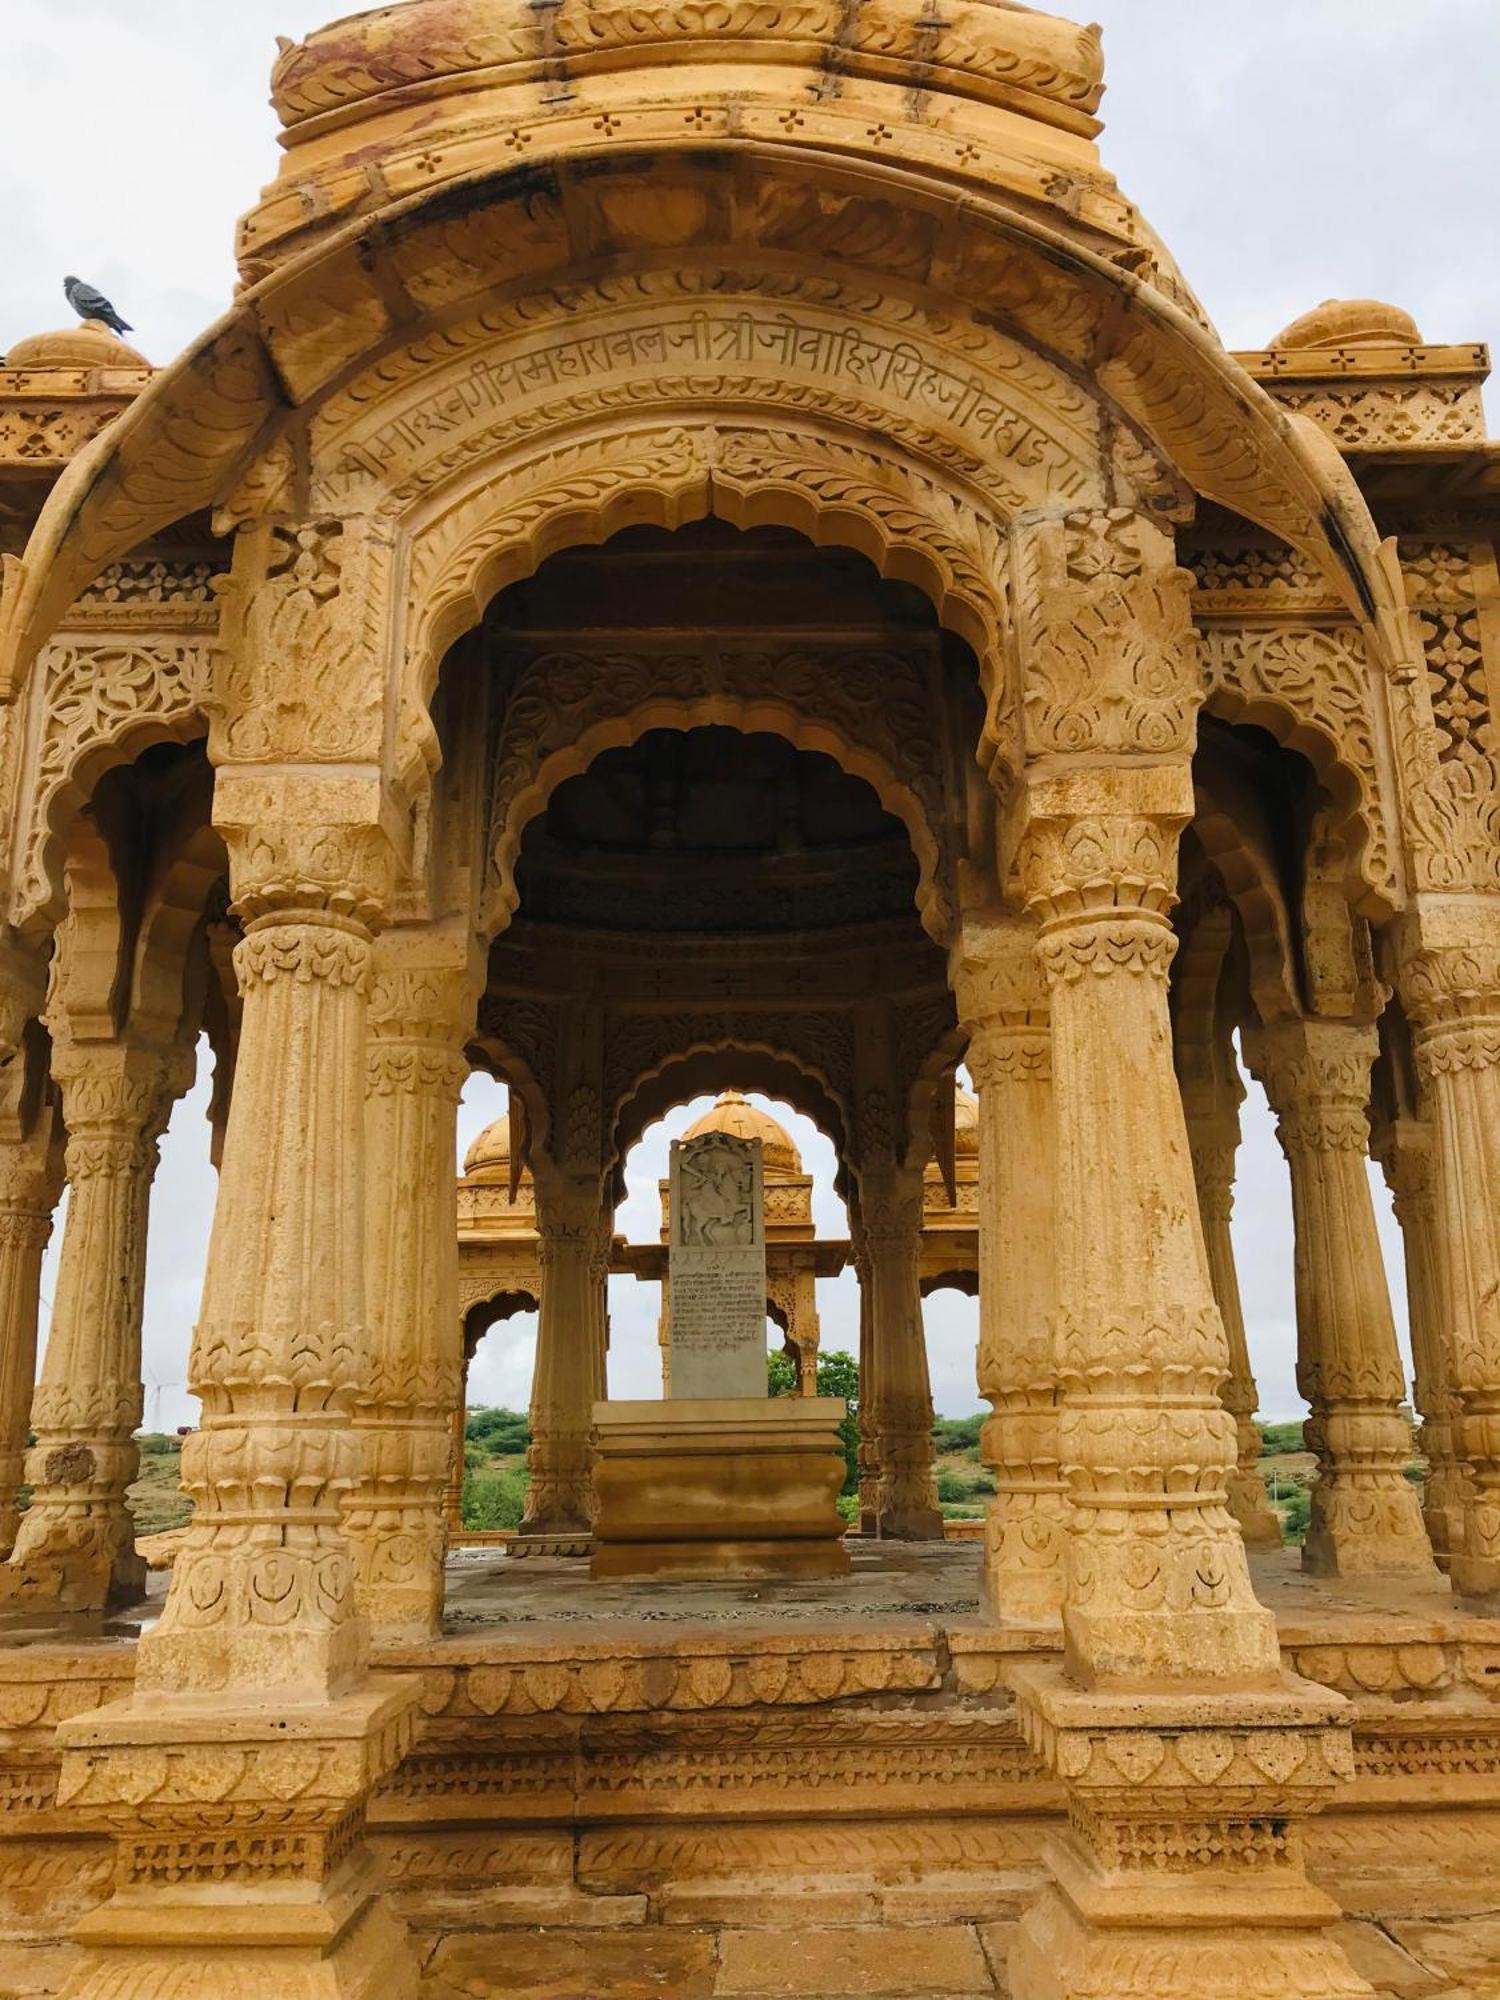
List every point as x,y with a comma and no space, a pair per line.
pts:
89,304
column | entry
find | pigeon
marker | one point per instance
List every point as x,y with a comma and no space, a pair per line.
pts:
89,304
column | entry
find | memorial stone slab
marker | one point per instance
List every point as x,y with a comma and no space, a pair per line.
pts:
717,1268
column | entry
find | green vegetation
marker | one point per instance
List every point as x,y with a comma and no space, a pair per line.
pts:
156,1500
498,1433
495,1499
1278,1438
957,1434
495,1475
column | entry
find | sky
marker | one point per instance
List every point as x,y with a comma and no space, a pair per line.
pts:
1287,151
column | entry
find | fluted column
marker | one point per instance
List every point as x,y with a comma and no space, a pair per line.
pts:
421,1014
890,1209
1186,1758
1404,1149
76,1544
1214,1141
453,1497
870,1458
30,1183
1158,1585
573,1238
1452,993
1366,1515
1003,1006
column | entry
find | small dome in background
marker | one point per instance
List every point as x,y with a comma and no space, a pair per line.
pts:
966,1125
1350,323
90,345
488,1159
740,1120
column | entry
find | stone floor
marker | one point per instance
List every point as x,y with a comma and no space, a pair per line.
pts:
487,1590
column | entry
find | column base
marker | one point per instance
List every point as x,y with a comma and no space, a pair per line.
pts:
1476,1579
73,1582
241,1871
909,1524
1251,1507
1180,1873
1358,1532
1175,1938
349,1947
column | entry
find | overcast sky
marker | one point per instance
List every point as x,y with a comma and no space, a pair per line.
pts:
1288,151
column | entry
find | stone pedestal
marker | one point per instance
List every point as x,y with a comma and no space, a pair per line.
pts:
1180,1871
728,1487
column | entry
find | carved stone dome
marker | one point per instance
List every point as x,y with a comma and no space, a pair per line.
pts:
90,345
1350,323
1030,58
741,1120
966,1125
488,1159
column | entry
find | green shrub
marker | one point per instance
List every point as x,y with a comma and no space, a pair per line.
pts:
1278,1438
848,1506
494,1499
781,1374
498,1433
950,1488
156,1444
957,1433
1296,1511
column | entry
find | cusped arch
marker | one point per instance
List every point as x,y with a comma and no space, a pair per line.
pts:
505,519
564,712
701,1067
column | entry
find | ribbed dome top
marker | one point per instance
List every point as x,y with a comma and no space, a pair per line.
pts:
89,345
966,1125
488,1159
1350,323
740,1119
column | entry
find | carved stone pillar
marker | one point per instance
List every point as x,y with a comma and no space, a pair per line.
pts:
421,1014
1186,1758
890,1210
1213,1128
30,1183
234,1779
573,1244
1003,1006
1451,990
1405,1152
871,1462
1366,1515
1185,1755
1159,1587
453,1497
76,1544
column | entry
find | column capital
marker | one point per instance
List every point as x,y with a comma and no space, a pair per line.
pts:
1316,1075
310,844
118,1095
997,981
890,1208
1094,847
1105,640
